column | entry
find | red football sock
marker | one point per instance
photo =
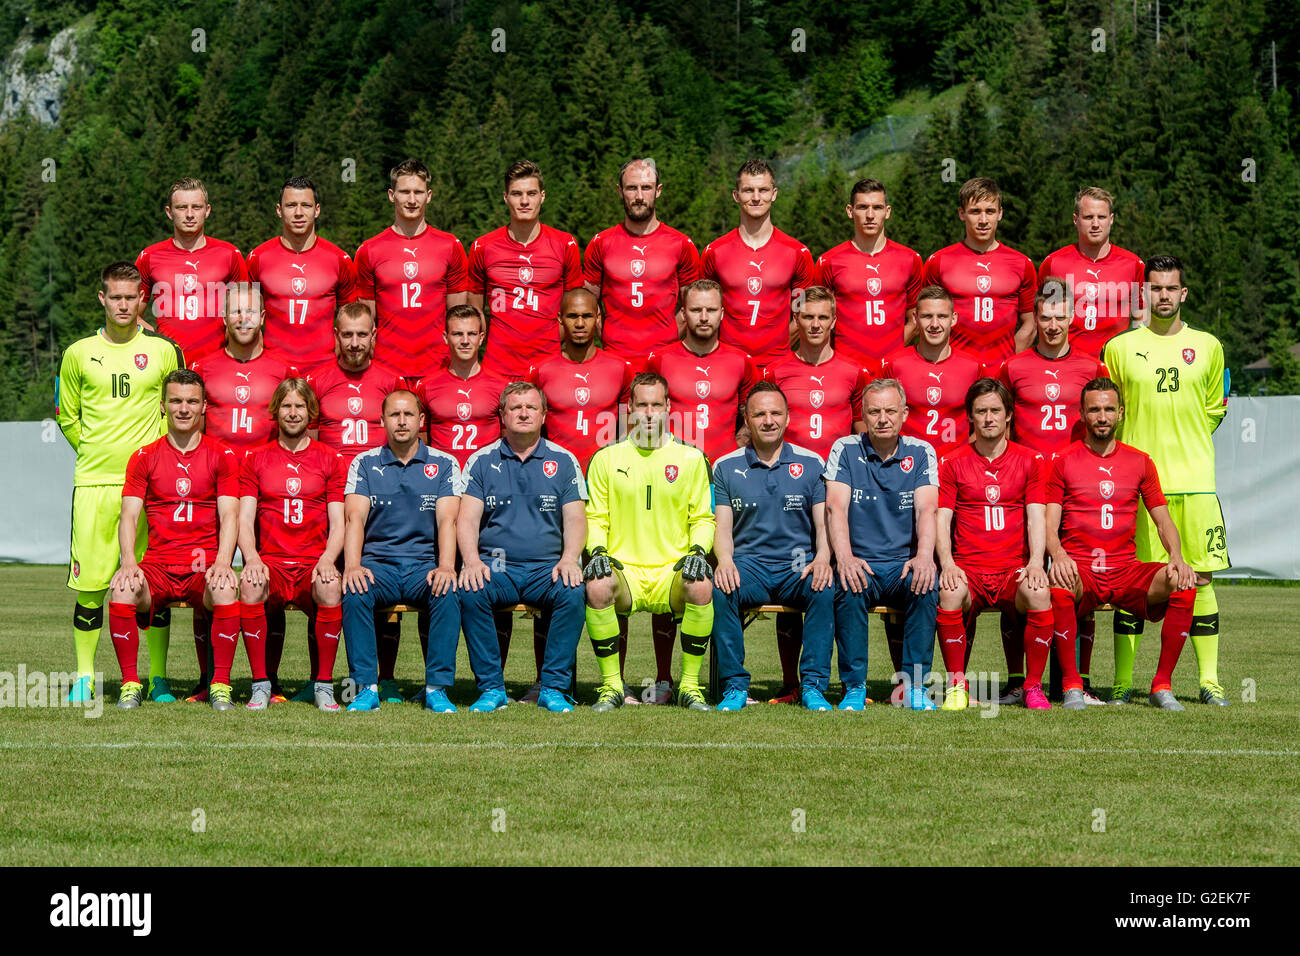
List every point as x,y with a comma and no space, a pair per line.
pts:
125,632
225,638
202,626
1013,643
1039,635
505,625
952,645
275,626
1063,623
1173,634
789,642
1087,630
665,637
252,621
329,625
539,646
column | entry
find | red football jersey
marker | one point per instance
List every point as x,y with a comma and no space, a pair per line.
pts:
409,279
293,490
239,395
987,499
872,296
1107,291
180,491
936,395
989,291
757,285
522,286
707,393
582,400
301,292
1099,501
1046,393
351,405
461,413
186,291
825,400
639,277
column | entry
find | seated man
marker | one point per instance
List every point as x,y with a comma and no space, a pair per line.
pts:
522,524
881,497
291,536
771,547
991,541
649,506
1092,507
188,485
400,519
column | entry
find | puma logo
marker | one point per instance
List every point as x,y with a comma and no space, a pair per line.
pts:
744,473
355,386
624,472
582,375
705,370
1142,356
987,267
937,376
246,376
1105,469
301,267
409,252
378,468
496,466
1052,372
875,269
1096,274
527,258
464,391
183,467
757,265
1042,640
99,360
816,378
193,265
991,474
640,249
294,467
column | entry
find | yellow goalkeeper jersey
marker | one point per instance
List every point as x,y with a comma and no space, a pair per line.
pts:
648,506
1174,399
109,400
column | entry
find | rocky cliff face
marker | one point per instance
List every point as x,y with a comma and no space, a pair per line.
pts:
38,87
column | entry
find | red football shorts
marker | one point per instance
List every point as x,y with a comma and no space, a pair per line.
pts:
169,585
289,584
992,588
1125,586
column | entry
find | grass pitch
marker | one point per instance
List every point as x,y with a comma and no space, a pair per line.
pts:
179,784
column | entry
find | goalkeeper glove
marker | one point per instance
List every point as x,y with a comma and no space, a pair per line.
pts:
693,565
601,565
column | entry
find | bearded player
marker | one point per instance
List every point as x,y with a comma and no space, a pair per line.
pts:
1176,388
291,536
1093,498
187,485
183,279
991,541
649,528
638,267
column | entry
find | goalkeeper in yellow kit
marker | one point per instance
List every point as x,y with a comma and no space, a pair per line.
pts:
1174,394
649,526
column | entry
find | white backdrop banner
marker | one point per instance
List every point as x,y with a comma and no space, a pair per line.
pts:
1258,465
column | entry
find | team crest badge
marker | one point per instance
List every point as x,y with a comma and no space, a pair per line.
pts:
754,284
76,569
1189,356
182,486
702,389
816,397
907,463
189,283
431,471
142,360
462,411
549,468
638,268
525,274
1053,391
582,395
354,404
992,493
670,472
934,394
410,269
243,393
796,470
293,485
298,284
1090,290
1107,488
984,283
873,286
